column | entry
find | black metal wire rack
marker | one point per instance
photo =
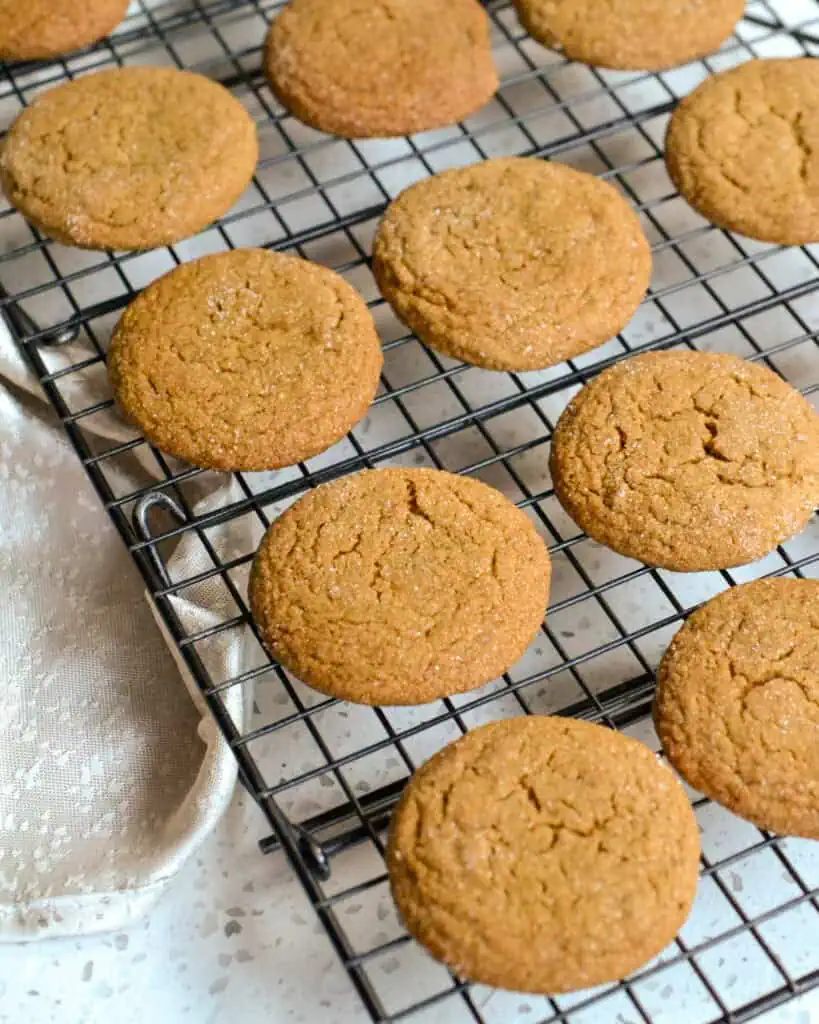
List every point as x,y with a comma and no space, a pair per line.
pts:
327,774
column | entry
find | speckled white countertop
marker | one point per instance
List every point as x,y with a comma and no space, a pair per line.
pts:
233,940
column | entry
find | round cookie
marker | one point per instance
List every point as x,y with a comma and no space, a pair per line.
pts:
743,150
400,586
245,360
544,855
362,69
635,35
39,29
737,705
513,264
129,159
688,460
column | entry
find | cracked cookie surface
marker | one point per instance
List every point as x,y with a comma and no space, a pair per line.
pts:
400,586
737,705
246,360
544,855
369,68
688,460
634,35
38,29
743,150
513,264
129,158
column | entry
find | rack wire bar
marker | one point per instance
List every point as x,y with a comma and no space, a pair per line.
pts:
327,774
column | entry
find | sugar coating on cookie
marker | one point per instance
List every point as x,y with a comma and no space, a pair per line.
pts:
362,69
544,855
634,35
246,360
39,29
743,150
513,264
688,460
129,158
400,586
737,706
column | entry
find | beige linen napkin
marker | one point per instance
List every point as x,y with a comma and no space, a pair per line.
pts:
109,776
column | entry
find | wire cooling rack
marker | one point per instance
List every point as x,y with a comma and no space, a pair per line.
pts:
327,774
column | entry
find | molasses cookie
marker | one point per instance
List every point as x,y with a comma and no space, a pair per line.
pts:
635,35
513,264
129,158
246,360
400,586
39,29
688,460
363,69
544,855
743,149
737,706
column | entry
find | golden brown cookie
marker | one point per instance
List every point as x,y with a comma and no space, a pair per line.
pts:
363,69
39,29
129,159
513,264
635,35
246,360
400,586
544,855
743,149
737,706
688,460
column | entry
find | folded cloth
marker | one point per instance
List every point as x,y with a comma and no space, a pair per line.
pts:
110,777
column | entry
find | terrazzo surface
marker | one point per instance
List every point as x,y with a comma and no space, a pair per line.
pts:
235,940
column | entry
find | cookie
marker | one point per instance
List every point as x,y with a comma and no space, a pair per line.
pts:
39,29
635,35
688,460
362,69
544,855
400,586
513,264
245,360
129,159
743,150
737,705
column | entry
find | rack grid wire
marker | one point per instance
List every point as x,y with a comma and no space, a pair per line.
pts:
326,774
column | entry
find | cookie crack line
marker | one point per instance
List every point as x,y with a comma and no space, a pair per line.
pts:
794,126
756,684
710,419
797,127
372,571
414,509
524,786
76,160
766,671
242,366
